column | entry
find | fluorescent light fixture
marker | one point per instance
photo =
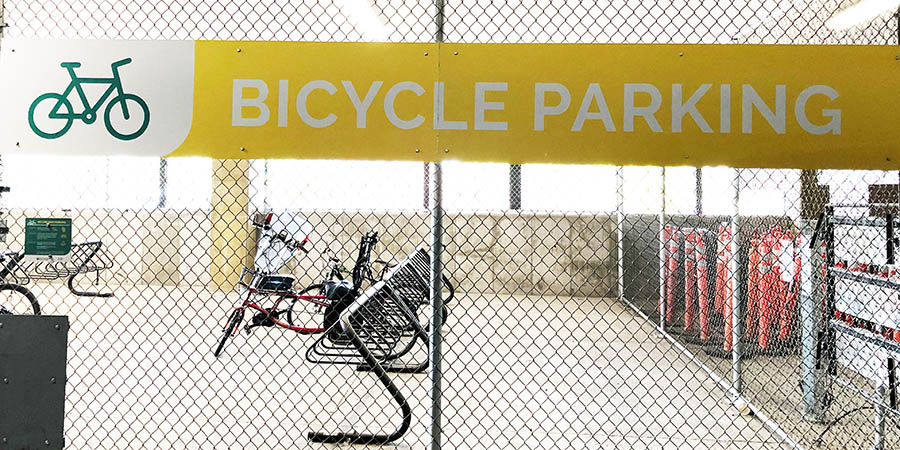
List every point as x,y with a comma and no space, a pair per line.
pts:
781,9
364,18
861,12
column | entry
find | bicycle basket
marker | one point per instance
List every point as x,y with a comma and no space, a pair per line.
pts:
276,283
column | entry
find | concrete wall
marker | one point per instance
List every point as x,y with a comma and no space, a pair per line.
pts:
515,253
533,253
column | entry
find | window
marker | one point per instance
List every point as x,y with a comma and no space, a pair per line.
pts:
188,183
681,190
718,191
54,181
643,190
475,186
770,192
333,184
564,187
852,186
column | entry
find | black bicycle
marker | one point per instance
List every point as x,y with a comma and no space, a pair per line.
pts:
341,293
14,298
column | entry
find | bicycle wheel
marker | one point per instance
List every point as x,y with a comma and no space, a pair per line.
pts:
17,299
51,127
295,311
233,322
132,126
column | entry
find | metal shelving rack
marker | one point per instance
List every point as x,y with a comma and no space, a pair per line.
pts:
851,292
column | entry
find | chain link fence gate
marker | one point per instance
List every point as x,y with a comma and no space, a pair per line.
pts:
563,276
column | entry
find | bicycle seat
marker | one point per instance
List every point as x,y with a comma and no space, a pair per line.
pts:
72,65
121,63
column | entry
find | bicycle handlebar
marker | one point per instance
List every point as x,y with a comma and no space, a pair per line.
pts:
298,245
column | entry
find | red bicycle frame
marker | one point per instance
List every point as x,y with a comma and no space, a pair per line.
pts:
318,300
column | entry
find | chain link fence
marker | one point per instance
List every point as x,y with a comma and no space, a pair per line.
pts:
586,306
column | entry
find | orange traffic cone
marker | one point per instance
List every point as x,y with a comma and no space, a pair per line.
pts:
690,275
702,285
671,269
768,287
753,292
725,281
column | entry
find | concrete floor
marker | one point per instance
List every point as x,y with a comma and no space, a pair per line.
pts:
771,381
519,372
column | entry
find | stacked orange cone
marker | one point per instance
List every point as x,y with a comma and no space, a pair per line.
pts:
773,278
725,281
753,291
702,285
690,274
670,233
768,288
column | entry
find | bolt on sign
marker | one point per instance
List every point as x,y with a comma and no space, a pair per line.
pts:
644,104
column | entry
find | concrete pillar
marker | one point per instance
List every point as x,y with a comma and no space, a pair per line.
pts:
230,231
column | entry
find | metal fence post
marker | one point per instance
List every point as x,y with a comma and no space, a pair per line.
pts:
698,191
662,255
163,182
437,246
620,230
437,231
2,28
811,297
880,416
515,187
736,329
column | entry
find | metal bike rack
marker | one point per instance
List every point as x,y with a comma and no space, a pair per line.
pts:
84,258
379,327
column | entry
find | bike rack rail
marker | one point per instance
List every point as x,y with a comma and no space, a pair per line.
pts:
85,257
380,326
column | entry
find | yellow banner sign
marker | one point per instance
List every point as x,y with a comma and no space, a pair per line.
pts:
736,105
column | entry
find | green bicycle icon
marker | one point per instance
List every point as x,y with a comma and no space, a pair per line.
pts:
118,113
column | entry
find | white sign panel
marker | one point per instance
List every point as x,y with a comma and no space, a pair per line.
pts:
96,97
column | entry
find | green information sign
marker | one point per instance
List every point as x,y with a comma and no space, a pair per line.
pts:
48,237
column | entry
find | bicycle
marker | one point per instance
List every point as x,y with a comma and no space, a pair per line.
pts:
342,293
15,298
278,244
89,113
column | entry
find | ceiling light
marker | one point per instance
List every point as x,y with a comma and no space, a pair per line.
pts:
860,13
364,18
